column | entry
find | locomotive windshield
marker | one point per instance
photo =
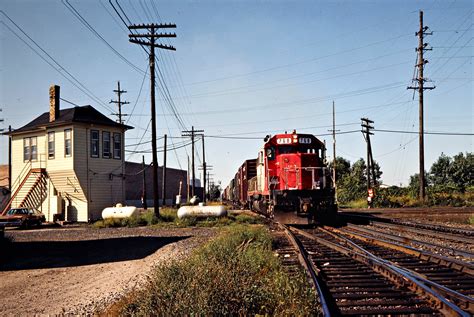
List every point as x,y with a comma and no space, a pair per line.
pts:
297,149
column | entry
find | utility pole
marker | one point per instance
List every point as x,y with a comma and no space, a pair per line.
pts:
163,184
151,36
210,181
420,87
119,103
366,128
144,183
334,148
10,158
187,181
192,134
205,168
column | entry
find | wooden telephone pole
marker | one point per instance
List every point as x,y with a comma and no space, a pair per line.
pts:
163,183
420,87
334,161
119,103
193,133
151,37
371,178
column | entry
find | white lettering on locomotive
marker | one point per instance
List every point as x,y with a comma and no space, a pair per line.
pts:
305,140
284,141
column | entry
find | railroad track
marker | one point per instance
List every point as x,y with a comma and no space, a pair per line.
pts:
433,229
413,238
351,280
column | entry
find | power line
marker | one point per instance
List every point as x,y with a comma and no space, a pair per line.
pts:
427,132
84,22
69,102
300,62
236,90
72,79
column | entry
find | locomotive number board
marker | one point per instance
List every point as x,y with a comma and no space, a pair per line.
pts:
289,140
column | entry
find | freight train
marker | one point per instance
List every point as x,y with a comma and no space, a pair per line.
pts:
289,177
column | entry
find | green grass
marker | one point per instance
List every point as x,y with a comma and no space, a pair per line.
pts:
234,274
356,204
169,219
471,220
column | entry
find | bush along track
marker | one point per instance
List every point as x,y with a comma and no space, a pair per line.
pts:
236,273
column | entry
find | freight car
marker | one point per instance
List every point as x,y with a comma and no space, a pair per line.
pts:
289,177
236,192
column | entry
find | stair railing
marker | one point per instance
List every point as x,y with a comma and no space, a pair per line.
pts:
17,184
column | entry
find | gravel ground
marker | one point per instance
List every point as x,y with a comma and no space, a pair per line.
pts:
83,270
446,246
457,217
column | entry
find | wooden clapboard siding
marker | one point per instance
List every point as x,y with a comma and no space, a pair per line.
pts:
99,177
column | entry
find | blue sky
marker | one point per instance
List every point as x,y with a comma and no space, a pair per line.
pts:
245,69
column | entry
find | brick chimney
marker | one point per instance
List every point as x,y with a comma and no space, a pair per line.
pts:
53,103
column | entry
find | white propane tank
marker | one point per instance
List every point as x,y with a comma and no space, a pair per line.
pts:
201,211
119,211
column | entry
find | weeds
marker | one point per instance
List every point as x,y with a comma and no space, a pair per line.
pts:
471,220
235,274
168,218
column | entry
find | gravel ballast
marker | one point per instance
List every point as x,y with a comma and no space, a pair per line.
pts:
83,270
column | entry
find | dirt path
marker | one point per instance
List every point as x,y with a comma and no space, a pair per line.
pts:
54,271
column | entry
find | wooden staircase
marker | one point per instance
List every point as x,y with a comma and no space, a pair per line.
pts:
32,190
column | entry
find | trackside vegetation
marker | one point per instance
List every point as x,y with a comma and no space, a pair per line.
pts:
449,181
169,219
234,274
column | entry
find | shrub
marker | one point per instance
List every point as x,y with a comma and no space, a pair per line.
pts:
235,274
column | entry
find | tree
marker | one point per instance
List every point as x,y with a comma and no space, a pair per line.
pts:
440,172
414,184
448,174
343,167
353,185
462,171
214,191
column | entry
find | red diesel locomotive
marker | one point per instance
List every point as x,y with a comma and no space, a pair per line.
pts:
289,175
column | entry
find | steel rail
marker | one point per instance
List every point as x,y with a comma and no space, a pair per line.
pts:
455,297
454,264
432,233
310,268
405,239
392,273
465,232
